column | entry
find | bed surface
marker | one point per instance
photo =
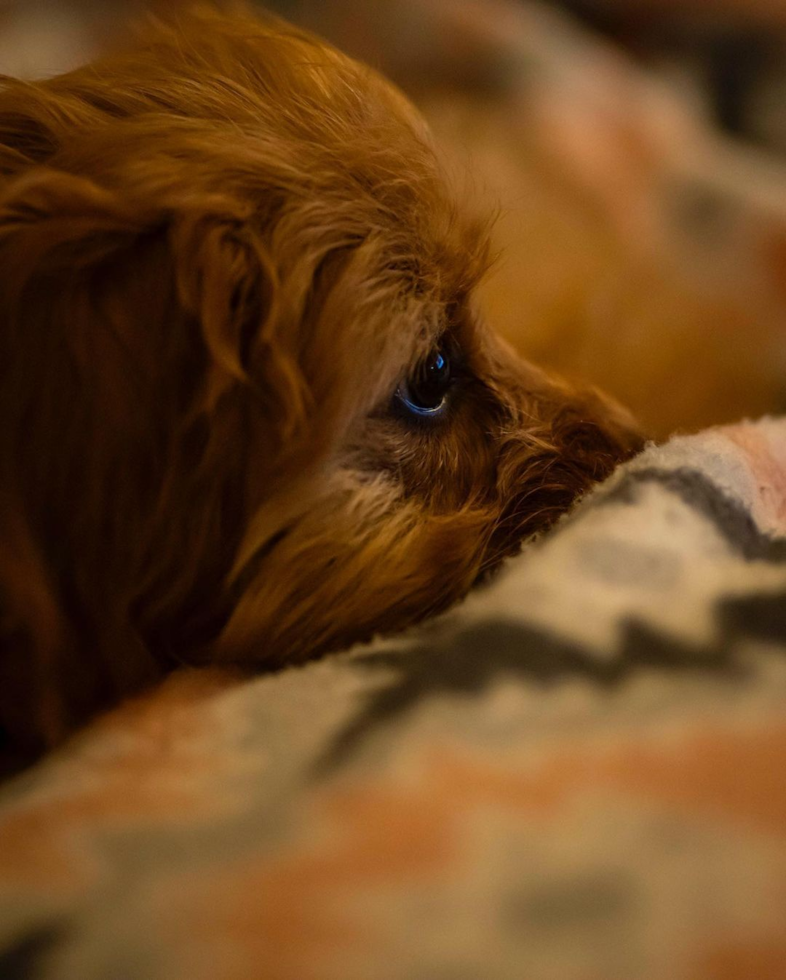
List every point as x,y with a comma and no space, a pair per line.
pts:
577,774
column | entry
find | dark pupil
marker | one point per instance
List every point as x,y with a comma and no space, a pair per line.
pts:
429,384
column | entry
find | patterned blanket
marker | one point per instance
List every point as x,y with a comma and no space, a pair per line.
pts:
577,775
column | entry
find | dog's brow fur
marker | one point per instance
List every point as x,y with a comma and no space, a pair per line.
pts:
222,248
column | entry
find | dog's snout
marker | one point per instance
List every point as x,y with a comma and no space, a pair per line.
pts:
542,471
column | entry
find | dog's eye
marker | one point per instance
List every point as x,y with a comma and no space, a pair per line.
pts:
426,391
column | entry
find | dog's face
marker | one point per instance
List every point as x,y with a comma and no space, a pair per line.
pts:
250,412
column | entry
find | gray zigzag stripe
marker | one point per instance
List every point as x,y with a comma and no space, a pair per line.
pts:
464,660
696,490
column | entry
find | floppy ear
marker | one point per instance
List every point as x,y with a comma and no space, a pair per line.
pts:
136,359
48,222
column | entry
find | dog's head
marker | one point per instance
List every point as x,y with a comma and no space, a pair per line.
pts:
249,410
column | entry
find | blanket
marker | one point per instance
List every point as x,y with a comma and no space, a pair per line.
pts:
576,775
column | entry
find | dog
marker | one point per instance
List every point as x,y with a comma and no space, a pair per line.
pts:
250,411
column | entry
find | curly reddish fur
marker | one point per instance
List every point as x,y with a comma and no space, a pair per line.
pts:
221,250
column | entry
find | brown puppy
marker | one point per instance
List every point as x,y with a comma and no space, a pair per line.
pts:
249,414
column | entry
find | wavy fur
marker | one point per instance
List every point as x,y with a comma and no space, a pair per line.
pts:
221,249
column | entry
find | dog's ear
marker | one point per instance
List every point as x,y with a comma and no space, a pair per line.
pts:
86,243
136,345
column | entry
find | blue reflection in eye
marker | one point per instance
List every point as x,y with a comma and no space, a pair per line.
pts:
425,392
419,409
